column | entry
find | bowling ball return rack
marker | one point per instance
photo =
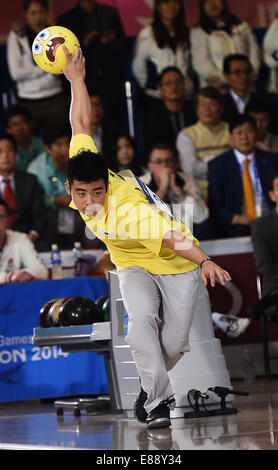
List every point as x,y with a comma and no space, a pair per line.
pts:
96,338
194,370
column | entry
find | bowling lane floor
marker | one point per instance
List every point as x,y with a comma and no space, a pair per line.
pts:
32,425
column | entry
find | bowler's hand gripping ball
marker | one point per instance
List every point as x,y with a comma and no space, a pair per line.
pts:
47,51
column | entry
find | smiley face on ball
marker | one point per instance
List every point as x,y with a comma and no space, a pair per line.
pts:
47,48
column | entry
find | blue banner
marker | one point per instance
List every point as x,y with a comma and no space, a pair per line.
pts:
28,371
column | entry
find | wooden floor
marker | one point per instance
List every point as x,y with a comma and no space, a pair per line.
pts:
34,425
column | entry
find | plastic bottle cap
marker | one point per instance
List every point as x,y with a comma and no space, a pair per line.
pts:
54,247
77,245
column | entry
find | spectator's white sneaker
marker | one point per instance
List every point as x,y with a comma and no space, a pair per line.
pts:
232,326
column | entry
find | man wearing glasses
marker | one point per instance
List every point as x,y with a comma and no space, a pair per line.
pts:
177,189
166,117
238,74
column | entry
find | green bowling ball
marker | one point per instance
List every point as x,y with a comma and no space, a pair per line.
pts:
100,300
103,304
106,310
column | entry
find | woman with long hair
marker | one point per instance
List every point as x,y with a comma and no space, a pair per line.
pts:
39,91
125,156
218,34
163,43
270,58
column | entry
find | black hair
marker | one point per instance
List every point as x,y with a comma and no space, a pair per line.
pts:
53,132
4,204
27,3
271,181
208,25
17,110
7,136
209,92
113,164
87,167
242,119
170,68
259,104
92,91
160,31
231,57
162,146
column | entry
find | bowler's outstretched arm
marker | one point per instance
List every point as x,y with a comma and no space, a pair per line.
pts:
80,109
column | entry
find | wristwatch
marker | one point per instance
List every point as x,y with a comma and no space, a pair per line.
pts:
207,259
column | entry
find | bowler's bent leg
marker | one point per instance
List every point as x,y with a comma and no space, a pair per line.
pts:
142,300
179,299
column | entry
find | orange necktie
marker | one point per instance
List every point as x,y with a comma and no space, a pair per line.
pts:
248,191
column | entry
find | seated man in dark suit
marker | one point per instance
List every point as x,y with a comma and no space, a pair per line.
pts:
239,97
168,116
238,74
238,180
265,242
260,108
21,192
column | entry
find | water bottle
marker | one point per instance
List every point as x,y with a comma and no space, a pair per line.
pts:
56,263
77,251
248,366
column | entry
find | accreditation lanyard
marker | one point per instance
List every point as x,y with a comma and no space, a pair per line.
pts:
258,186
258,193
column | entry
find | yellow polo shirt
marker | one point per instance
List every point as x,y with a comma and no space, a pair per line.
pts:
209,142
133,222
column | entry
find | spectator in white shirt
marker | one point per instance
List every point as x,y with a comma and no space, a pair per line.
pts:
19,261
217,34
270,55
163,43
39,91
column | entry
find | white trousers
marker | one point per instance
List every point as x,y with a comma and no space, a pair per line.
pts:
160,312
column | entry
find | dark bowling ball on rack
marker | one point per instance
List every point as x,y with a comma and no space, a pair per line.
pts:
101,302
79,311
105,310
54,312
43,317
